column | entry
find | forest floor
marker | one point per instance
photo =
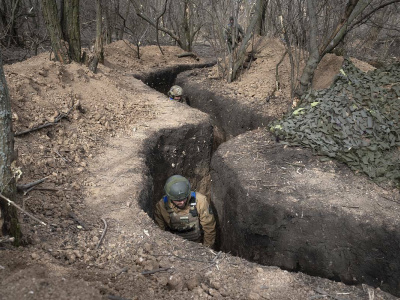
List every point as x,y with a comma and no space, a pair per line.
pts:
93,246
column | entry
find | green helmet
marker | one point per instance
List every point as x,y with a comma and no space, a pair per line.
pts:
177,188
175,91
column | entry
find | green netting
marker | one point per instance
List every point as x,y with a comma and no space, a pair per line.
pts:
355,121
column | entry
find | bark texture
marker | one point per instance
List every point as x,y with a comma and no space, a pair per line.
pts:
71,29
50,15
98,47
8,186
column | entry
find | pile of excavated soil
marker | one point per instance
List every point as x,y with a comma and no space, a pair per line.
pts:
98,242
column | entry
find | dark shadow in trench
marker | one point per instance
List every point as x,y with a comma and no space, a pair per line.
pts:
162,80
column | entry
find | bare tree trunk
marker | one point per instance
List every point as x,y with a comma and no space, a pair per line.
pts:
8,22
12,31
107,11
71,29
3,14
60,10
260,29
241,54
288,46
122,24
98,47
115,14
157,24
7,181
185,25
314,58
60,48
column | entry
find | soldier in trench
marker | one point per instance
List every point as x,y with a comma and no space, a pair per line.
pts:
175,93
185,213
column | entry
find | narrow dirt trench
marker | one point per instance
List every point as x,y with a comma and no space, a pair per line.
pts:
269,237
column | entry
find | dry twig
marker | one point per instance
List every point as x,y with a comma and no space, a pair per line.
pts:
214,261
155,271
390,199
56,120
104,233
324,294
119,272
64,158
20,208
7,239
183,258
28,186
73,216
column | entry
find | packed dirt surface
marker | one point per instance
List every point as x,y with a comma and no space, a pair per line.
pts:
98,242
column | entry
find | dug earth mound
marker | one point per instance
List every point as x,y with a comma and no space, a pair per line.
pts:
104,166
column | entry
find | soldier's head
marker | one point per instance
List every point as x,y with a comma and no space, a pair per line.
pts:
231,20
177,189
175,93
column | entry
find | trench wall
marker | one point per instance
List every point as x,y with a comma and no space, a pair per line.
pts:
230,117
162,80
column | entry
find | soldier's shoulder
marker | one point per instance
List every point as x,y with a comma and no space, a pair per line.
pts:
200,197
161,201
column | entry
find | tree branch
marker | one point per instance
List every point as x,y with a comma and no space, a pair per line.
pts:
342,28
56,120
21,209
368,15
23,187
104,233
152,23
158,23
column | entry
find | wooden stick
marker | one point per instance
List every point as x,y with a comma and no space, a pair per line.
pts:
56,120
154,271
214,262
23,187
104,233
183,258
64,158
28,190
20,208
322,292
217,256
51,189
7,239
123,270
73,216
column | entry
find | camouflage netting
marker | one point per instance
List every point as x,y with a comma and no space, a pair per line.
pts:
355,121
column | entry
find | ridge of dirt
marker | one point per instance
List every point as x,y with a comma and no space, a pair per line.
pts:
96,171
